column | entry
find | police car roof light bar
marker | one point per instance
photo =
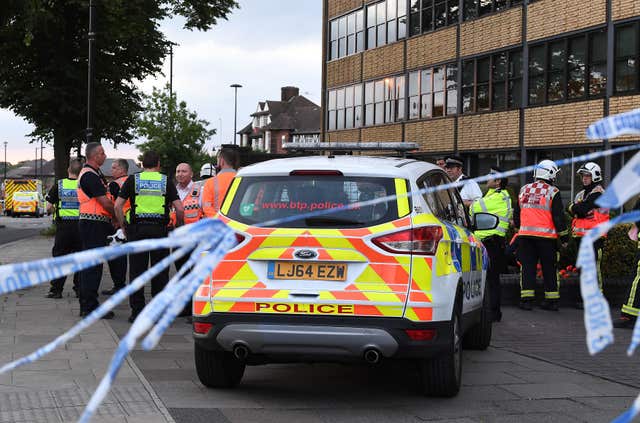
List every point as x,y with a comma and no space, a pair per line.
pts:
351,146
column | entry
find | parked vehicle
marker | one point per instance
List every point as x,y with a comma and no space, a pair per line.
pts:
12,186
28,203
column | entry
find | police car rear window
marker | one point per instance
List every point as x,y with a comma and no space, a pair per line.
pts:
263,199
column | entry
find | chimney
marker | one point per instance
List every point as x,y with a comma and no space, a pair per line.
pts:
289,92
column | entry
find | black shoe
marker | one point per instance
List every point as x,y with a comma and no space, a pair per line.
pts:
83,314
52,294
624,322
109,315
497,316
549,305
133,316
112,290
525,305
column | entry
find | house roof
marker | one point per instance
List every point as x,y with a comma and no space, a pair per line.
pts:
298,115
48,169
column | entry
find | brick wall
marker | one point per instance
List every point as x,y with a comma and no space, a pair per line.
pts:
382,133
562,124
621,9
431,48
432,135
490,33
348,135
489,130
344,71
621,105
549,17
340,7
383,61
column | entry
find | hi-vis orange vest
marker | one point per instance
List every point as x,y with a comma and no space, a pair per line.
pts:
90,208
535,210
191,205
214,191
581,225
127,205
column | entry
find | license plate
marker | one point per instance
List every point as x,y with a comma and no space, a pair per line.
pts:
307,271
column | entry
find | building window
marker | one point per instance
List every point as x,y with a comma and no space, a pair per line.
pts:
344,108
384,101
346,35
492,83
386,22
627,58
476,8
568,69
428,15
433,92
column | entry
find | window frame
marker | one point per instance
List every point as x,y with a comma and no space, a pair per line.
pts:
356,34
450,18
383,26
635,25
445,90
385,110
352,110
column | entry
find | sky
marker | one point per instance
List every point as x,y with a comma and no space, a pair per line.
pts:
261,47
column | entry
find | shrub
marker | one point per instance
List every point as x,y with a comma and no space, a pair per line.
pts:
619,258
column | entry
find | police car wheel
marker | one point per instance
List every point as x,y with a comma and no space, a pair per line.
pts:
218,369
441,376
478,337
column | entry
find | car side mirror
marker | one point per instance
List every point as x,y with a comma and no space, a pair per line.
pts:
485,221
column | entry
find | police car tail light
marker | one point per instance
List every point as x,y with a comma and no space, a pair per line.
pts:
421,334
202,328
423,240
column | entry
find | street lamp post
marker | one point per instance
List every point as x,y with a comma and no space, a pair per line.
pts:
5,160
235,113
91,72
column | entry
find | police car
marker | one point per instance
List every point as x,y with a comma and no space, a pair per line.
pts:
402,279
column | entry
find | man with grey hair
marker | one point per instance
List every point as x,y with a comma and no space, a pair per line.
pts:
96,212
118,266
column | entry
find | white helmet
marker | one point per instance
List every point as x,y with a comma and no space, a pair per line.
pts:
547,170
592,169
207,170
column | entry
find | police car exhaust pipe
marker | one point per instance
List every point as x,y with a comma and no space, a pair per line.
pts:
372,356
240,352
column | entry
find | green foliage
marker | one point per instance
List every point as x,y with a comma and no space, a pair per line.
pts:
619,257
50,231
173,131
44,59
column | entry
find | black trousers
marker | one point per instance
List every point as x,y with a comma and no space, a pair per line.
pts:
94,234
495,246
532,250
139,263
598,248
67,241
118,270
632,306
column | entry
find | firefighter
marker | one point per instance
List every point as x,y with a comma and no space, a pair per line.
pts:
189,194
631,309
117,266
150,195
63,200
586,214
94,225
541,222
496,201
215,188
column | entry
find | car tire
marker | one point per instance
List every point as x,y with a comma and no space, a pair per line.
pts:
442,375
478,337
218,369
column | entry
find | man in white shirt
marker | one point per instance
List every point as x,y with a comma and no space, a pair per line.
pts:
184,179
470,191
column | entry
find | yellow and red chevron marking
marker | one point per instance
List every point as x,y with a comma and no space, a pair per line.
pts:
419,305
378,290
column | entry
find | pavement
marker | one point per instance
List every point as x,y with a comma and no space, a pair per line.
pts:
16,228
536,370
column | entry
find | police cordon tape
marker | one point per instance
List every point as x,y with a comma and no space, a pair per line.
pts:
216,238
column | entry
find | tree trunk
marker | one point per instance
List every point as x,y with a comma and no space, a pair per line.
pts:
61,148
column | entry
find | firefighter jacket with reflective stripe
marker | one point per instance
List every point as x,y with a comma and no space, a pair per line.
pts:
581,225
150,196
497,202
214,191
90,208
536,218
68,207
191,204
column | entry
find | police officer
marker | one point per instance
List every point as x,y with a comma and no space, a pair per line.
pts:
586,214
63,199
631,309
117,266
496,201
470,191
215,188
151,195
189,194
96,211
541,222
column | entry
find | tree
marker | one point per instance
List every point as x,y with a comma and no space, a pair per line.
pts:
173,131
43,62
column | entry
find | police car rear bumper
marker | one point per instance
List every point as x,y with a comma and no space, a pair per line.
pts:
319,338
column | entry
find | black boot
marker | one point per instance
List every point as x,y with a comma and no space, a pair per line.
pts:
54,294
526,305
551,305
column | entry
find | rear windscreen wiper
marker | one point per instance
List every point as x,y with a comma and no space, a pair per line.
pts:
328,220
